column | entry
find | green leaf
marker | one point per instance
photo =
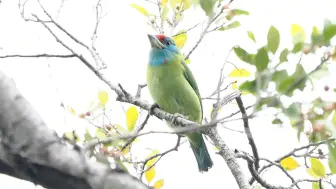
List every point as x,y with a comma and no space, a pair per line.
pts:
232,25
298,34
315,185
293,110
292,80
270,101
248,86
251,35
180,38
329,31
298,75
316,37
239,12
120,128
71,136
317,167
277,121
100,133
334,118
285,84
244,55
323,71
298,47
311,173
121,165
207,6
140,9
87,135
273,39
332,157
261,59
279,76
283,55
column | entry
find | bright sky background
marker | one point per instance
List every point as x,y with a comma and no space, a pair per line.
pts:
124,46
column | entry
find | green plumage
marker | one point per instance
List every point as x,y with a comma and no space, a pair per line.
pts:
173,87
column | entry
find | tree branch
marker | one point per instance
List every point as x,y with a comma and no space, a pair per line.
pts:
38,56
256,175
31,151
248,132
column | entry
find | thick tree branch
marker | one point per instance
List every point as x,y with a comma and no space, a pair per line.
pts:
31,151
38,56
123,96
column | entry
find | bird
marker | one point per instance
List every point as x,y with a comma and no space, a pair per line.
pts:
173,89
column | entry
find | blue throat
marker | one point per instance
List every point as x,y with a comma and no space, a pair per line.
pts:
161,56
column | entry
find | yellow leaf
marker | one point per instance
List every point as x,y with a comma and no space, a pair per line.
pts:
131,117
187,61
140,9
180,38
311,173
72,111
158,184
103,97
234,86
238,72
289,163
126,150
150,174
298,34
164,2
152,161
186,4
317,167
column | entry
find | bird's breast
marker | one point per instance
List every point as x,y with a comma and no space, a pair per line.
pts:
172,92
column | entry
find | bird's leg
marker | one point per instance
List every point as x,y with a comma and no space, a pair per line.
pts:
151,108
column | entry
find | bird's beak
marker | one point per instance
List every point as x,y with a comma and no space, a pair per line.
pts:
155,43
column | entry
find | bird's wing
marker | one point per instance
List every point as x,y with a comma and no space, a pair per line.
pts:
191,80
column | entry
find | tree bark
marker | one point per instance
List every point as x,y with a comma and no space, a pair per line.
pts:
31,151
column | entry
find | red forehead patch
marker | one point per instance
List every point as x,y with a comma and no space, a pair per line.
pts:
160,37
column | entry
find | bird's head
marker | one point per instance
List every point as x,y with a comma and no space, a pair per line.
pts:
163,49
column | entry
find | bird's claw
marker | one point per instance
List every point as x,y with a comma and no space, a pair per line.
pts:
176,115
151,108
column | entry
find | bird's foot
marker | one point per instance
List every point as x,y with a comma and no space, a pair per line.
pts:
151,108
177,115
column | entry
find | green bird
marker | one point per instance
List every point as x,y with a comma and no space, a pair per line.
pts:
173,88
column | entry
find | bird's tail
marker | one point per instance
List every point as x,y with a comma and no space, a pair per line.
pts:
201,154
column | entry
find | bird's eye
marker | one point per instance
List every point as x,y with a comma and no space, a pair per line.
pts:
169,42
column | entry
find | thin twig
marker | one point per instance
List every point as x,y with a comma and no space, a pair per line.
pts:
130,140
159,155
248,132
